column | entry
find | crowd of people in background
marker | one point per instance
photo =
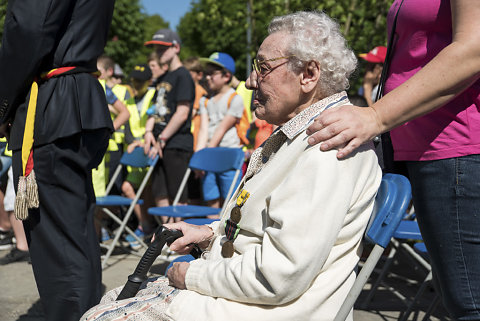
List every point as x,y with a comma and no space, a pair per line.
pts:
173,108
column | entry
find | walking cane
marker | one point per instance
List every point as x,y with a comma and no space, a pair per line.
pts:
162,236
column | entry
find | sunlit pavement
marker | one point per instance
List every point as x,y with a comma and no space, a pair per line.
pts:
19,296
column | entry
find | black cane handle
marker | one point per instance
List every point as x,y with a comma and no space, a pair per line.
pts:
162,236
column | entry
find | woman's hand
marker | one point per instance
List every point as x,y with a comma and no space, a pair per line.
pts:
176,274
192,234
346,128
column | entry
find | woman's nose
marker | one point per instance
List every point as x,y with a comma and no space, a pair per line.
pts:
251,82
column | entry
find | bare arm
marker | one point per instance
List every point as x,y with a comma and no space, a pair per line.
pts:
148,137
122,114
227,122
202,137
441,80
178,118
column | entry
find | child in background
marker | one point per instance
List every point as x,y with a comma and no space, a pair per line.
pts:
158,69
138,106
219,114
195,67
373,71
116,96
167,131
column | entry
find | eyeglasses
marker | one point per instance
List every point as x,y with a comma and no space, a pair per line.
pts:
262,69
213,73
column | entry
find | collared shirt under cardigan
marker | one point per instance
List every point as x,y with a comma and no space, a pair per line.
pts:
300,234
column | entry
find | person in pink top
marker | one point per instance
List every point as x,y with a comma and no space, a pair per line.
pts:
432,107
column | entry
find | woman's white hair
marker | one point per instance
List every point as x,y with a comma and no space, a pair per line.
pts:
317,37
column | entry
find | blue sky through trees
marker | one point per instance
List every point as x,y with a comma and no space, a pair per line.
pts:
169,10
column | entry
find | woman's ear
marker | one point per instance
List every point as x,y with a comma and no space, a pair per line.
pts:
310,76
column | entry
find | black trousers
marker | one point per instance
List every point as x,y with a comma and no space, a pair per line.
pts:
63,245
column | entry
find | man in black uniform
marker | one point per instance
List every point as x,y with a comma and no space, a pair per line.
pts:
71,130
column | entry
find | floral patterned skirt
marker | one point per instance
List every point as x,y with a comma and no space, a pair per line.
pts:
150,303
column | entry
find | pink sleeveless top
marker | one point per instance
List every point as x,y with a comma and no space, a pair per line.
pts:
424,28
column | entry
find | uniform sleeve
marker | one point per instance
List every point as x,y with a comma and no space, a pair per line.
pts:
236,107
110,95
30,31
305,215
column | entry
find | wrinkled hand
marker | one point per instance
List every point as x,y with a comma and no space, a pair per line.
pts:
192,234
176,274
346,128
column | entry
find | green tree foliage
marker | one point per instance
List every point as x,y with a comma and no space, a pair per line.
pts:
151,25
127,24
129,30
220,25
213,25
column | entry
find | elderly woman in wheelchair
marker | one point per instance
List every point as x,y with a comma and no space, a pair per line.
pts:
289,240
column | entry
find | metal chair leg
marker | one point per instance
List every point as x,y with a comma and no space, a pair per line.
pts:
386,267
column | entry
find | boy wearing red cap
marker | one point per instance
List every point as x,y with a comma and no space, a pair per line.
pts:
375,59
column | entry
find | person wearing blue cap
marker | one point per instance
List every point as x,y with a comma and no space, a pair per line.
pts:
218,115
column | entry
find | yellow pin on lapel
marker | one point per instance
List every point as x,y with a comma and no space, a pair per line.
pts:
242,197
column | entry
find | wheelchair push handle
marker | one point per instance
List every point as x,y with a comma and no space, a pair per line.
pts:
162,236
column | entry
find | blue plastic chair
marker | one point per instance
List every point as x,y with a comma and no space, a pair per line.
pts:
391,204
135,159
217,160
200,221
407,230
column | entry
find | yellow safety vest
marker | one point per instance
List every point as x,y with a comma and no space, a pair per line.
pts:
99,178
118,135
246,95
137,121
120,91
6,152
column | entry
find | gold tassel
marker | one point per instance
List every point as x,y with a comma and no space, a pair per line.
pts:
32,191
21,208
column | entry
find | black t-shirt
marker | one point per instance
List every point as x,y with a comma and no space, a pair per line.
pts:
174,87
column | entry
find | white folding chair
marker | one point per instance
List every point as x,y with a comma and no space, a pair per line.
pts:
135,159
